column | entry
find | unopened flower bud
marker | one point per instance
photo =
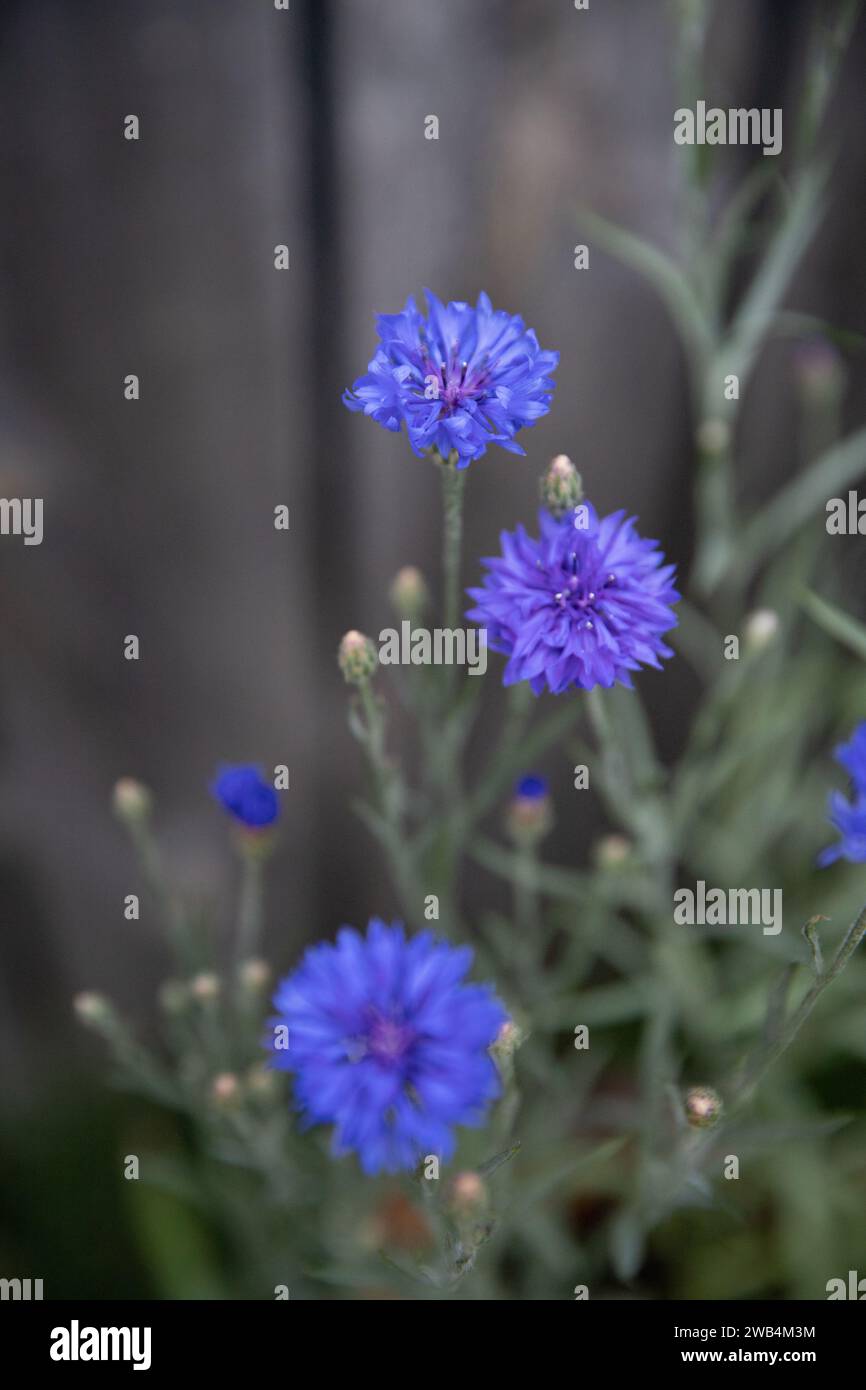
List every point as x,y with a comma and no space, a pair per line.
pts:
206,987
561,486
357,658
409,595
509,1038
703,1107
254,975
713,436
131,800
173,996
761,627
257,845
530,811
93,1010
225,1089
612,851
261,1080
468,1193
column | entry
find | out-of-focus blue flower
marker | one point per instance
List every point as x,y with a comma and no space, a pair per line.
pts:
531,788
849,817
387,1044
460,379
583,605
529,814
247,796
852,756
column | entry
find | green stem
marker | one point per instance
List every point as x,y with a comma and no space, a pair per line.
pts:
375,723
526,891
760,1065
767,1054
691,29
211,1033
449,728
519,749
249,930
388,801
528,937
614,769
150,861
453,487
137,1069
714,502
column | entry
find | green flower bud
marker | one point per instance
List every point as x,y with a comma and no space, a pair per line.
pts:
529,815
261,1081
254,975
713,437
225,1089
206,987
703,1107
257,844
131,800
561,486
761,627
469,1194
509,1038
357,658
612,851
93,1010
409,595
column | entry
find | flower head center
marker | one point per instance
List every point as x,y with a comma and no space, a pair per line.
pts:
456,382
388,1039
577,595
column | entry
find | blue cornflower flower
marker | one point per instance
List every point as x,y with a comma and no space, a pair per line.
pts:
460,379
531,788
852,756
583,605
529,814
247,796
849,817
387,1045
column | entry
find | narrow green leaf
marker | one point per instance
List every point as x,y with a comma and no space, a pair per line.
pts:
810,931
762,299
663,274
836,623
627,1244
802,500
491,1165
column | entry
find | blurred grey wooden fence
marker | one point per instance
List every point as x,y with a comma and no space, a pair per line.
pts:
261,127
